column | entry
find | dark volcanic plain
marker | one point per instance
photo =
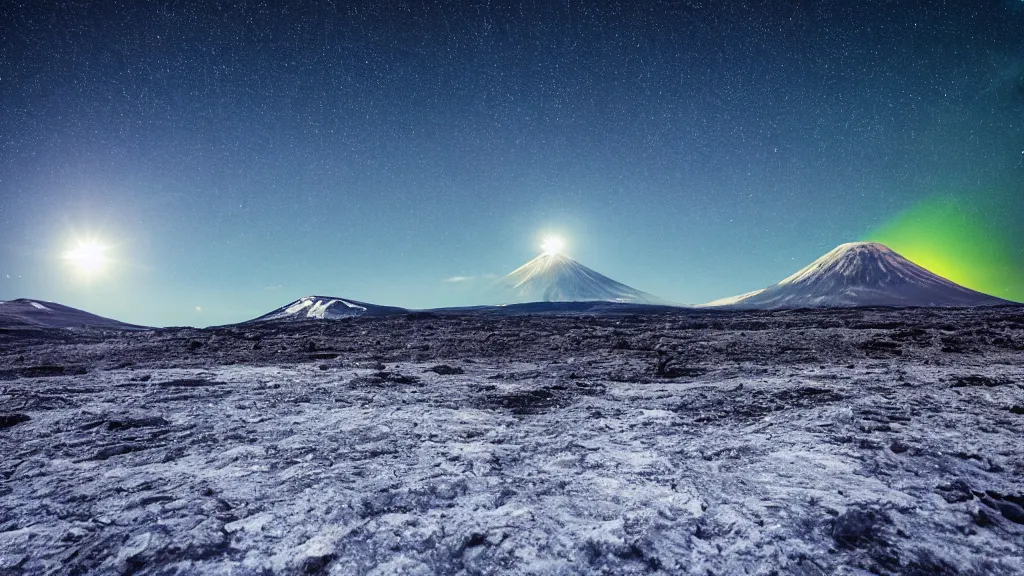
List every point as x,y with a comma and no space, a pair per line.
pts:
810,442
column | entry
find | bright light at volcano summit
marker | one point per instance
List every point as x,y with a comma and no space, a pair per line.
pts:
552,245
87,257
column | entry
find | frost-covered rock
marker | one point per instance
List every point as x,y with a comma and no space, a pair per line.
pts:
771,442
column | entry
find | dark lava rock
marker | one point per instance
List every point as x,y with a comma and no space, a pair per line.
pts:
955,491
862,529
51,371
108,452
898,447
11,419
927,564
877,346
317,564
383,377
446,370
397,378
855,528
915,333
982,518
191,383
869,444
1009,506
1011,512
682,372
666,367
977,381
954,345
527,401
129,423
475,539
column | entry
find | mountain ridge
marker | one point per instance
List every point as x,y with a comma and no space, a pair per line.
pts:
326,308
860,274
33,313
554,277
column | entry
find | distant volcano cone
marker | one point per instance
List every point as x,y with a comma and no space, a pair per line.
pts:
39,313
861,274
553,277
327,308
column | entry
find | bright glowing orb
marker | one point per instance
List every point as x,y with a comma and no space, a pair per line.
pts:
552,245
87,257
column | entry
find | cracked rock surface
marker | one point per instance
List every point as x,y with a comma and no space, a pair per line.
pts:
815,442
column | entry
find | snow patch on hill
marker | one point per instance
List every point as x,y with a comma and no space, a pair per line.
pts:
327,308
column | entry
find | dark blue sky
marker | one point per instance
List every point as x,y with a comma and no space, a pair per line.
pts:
235,156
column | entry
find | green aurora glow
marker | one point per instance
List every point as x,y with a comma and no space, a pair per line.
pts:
960,240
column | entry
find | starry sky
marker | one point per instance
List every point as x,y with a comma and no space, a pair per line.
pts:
231,157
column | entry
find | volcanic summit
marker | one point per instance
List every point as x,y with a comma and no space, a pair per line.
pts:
326,308
554,277
861,274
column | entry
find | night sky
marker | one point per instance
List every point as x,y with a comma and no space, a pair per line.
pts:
231,157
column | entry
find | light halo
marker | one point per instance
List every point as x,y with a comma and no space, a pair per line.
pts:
552,245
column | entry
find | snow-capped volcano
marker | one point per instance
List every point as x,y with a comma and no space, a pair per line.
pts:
860,274
38,313
553,277
327,308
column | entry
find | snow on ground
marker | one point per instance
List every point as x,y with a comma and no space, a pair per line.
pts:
786,443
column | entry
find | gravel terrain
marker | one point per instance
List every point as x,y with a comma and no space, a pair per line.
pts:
811,442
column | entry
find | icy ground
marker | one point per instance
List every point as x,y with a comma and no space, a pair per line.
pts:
689,443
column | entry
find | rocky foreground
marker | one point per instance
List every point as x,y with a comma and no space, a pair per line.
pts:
846,442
